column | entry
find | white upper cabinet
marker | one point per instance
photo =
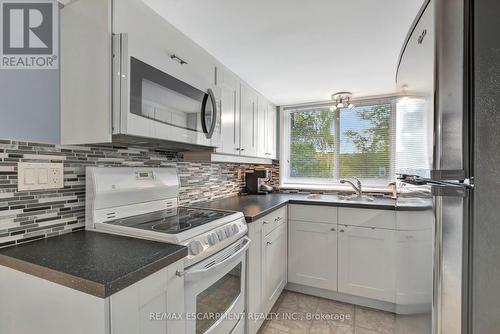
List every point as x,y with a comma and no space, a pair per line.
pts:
229,112
261,126
271,132
266,129
155,41
248,113
108,48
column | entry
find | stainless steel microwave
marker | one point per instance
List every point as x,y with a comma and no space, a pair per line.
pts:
151,103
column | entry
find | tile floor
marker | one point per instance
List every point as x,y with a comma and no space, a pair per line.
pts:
345,318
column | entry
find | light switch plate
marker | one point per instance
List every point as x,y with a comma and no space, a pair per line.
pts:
38,176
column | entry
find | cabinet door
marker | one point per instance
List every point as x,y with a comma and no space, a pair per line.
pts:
229,125
138,20
414,267
313,254
254,300
247,120
367,262
158,294
261,127
271,129
274,265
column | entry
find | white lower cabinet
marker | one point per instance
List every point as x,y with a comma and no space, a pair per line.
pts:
414,268
313,254
414,260
29,304
366,262
274,265
142,308
267,264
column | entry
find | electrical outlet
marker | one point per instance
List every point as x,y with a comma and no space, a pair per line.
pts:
37,176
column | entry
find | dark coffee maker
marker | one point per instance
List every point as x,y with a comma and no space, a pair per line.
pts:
256,181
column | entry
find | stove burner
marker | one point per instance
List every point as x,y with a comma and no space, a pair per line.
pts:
168,227
171,221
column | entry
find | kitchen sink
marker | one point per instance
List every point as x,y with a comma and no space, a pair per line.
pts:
356,198
341,197
323,197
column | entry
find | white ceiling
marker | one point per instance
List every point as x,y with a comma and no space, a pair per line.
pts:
295,51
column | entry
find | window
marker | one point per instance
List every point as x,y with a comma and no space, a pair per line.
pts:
322,146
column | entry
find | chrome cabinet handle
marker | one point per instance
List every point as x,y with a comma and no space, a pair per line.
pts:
180,60
422,36
180,273
269,242
341,231
332,229
265,223
277,219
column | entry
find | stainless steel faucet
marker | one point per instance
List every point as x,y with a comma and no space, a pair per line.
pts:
357,188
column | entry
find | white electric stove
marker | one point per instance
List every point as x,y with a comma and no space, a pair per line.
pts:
142,203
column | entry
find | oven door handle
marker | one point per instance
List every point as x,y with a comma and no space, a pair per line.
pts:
197,274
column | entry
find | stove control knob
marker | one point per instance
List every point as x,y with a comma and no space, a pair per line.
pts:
212,239
221,234
235,229
229,231
195,247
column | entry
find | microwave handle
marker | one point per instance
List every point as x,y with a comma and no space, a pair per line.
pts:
196,274
209,131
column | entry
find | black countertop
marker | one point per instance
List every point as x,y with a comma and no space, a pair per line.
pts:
257,206
96,263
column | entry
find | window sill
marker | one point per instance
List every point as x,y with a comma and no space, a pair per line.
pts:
306,187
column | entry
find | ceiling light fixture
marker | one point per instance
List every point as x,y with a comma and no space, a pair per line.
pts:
341,100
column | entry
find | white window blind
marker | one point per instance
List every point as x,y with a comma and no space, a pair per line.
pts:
323,146
414,130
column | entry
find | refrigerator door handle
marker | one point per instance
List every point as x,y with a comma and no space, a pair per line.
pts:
460,184
448,174
449,191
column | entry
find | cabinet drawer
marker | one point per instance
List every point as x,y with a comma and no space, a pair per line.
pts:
368,218
414,220
313,213
273,220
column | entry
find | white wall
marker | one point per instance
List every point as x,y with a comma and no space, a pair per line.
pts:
29,105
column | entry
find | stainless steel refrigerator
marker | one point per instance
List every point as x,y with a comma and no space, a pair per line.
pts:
434,65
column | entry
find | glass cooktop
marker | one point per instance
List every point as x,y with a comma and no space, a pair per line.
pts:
172,221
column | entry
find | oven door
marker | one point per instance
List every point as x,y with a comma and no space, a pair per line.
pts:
180,111
215,291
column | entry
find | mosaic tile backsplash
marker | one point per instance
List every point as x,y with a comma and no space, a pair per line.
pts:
31,215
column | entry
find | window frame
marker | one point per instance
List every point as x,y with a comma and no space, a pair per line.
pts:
286,182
